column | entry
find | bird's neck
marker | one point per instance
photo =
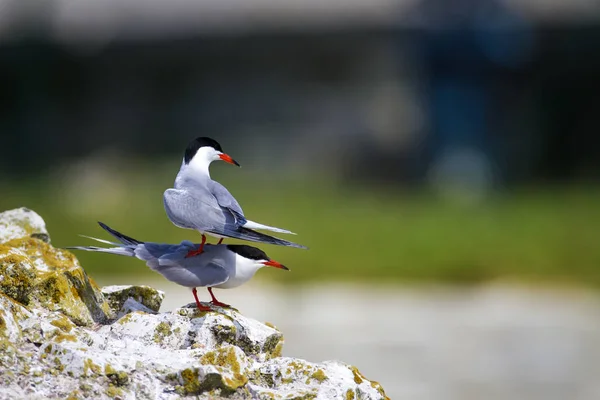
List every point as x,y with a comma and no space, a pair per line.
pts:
244,269
192,172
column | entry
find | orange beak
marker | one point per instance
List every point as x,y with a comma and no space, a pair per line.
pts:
228,159
275,264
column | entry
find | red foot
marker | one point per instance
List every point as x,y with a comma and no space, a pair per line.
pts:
220,241
200,250
203,308
193,253
219,304
216,302
198,304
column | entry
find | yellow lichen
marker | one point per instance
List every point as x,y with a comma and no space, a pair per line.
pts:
358,378
297,366
55,259
319,375
161,331
278,350
190,381
119,378
58,364
226,357
35,271
63,323
113,392
224,333
377,386
17,274
303,396
271,344
287,380
126,318
85,387
61,337
74,395
350,394
88,365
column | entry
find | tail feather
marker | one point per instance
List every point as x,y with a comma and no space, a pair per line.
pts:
126,247
253,236
256,225
101,240
119,236
121,251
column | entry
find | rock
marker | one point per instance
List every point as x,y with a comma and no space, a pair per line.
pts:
22,222
132,305
34,273
117,295
50,347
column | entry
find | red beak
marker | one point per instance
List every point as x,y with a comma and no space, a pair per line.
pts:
275,264
227,158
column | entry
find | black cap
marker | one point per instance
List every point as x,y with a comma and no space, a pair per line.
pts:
248,252
197,143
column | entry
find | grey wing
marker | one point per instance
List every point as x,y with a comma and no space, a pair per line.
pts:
191,274
195,210
254,236
227,201
171,261
149,251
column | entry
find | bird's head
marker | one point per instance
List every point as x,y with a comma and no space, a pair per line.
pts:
255,257
202,151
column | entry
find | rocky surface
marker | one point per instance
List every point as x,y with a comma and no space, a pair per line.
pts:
63,337
127,298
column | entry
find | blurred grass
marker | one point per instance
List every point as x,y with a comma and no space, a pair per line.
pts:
354,233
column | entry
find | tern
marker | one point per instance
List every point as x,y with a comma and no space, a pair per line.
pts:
197,202
219,266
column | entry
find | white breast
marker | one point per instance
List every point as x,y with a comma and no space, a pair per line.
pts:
244,269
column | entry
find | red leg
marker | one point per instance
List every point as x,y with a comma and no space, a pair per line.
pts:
215,301
200,306
200,250
220,241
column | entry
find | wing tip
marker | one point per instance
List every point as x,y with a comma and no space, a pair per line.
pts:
257,237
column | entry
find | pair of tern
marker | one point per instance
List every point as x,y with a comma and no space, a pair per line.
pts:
199,203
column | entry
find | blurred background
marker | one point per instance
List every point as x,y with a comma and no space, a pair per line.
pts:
440,159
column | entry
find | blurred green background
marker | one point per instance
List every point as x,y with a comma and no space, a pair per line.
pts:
539,235
425,143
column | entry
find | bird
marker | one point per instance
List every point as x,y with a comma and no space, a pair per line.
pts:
200,203
222,266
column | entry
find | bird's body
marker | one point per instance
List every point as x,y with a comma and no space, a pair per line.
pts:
200,203
219,266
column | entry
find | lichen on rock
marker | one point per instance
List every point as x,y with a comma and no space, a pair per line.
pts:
32,272
117,295
22,222
61,338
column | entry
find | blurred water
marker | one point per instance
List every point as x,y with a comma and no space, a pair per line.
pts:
498,342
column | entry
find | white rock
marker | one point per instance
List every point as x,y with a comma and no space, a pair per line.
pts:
117,295
22,222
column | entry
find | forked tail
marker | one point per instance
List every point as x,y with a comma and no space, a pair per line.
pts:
125,248
121,251
256,225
